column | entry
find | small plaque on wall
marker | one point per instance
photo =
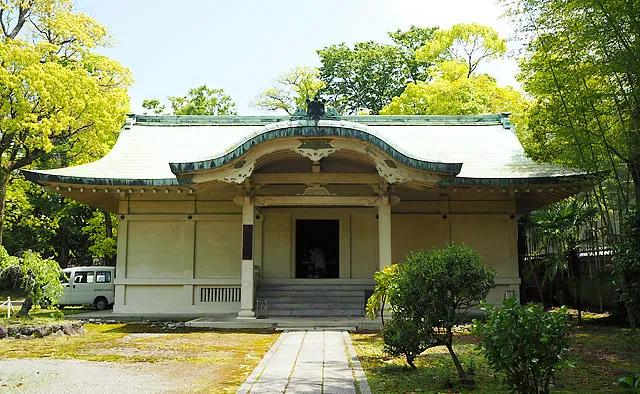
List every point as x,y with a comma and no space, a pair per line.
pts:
247,241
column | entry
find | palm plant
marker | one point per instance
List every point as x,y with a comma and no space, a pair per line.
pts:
561,229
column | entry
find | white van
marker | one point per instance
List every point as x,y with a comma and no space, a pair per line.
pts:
88,286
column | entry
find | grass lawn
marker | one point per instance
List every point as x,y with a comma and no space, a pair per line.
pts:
228,357
602,354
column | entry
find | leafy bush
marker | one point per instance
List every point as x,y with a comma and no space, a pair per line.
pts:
524,342
632,382
429,295
378,299
407,337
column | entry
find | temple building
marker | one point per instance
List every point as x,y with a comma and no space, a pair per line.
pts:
218,213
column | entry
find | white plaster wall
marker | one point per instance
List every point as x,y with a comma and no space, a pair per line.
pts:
157,250
364,246
276,246
413,232
217,249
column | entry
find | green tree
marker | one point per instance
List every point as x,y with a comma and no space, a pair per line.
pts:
470,43
409,42
367,76
39,278
154,106
580,63
291,90
429,295
102,235
54,91
203,101
452,92
26,225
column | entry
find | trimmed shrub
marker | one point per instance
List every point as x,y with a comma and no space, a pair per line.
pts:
429,295
525,343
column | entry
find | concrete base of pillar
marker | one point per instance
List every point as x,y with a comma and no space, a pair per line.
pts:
246,314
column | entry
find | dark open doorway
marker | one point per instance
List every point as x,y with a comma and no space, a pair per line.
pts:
317,248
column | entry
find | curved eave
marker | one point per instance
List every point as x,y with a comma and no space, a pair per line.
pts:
353,130
546,180
578,178
40,177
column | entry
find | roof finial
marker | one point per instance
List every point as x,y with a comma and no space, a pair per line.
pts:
506,123
315,108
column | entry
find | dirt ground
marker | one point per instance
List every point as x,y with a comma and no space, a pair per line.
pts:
132,359
80,376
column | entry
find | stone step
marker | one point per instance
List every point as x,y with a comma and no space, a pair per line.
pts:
310,299
302,287
314,300
310,293
315,312
309,305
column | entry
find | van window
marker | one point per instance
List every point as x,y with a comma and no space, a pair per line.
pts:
103,277
84,277
63,278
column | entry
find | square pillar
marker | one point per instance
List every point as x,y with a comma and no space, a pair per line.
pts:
384,233
247,280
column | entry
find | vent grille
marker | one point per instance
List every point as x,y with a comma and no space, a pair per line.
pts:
219,294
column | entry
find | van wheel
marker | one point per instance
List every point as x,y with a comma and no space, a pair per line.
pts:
101,303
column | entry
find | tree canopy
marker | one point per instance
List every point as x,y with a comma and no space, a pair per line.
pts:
154,105
291,90
471,43
368,75
203,101
452,92
54,90
581,65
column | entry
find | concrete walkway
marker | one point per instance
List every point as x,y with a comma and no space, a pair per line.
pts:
309,362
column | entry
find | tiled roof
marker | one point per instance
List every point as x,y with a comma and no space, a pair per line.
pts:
479,149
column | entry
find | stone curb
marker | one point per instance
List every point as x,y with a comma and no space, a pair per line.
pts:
358,372
257,371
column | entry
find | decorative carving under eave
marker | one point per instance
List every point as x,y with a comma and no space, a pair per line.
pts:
315,154
390,172
315,149
239,172
316,190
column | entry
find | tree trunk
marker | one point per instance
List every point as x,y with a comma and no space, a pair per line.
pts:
574,268
4,181
410,361
536,280
634,168
26,307
461,373
108,232
632,318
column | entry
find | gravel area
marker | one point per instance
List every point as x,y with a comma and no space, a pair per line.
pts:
77,376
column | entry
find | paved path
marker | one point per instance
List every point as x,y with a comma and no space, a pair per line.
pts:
309,362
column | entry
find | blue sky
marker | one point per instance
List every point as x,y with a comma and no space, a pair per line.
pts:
242,45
